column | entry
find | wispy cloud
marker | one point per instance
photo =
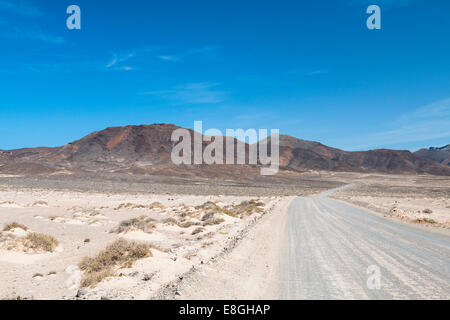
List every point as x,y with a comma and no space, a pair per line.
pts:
303,72
117,60
208,50
16,32
428,122
16,25
20,7
192,93
317,72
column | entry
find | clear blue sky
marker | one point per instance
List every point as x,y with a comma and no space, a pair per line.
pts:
310,68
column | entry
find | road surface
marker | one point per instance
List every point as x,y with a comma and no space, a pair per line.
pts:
335,251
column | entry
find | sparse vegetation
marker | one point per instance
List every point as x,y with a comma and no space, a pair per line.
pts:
212,221
14,225
246,208
156,205
129,205
426,220
141,223
40,203
120,254
188,224
170,221
40,242
428,211
197,230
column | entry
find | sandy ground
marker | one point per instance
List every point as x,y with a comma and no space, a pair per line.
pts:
415,199
238,258
251,270
82,223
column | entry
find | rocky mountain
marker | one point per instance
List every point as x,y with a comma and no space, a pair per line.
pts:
439,154
146,149
296,154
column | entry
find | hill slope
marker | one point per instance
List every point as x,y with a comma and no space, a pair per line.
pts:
146,149
441,154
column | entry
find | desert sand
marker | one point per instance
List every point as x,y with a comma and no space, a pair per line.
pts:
194,241
85,223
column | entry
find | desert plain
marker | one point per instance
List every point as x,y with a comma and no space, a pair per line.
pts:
68,237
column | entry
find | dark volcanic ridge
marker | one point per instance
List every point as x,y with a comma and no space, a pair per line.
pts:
146,150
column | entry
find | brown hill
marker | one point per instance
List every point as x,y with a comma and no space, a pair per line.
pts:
299,155
441,154
146,149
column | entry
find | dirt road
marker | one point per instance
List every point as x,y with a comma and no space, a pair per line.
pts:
339,251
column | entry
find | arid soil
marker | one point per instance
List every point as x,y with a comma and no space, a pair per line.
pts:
415,199
149,237
180,233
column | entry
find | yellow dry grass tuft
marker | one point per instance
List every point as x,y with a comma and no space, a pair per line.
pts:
143,223
119,254
40,242
14,225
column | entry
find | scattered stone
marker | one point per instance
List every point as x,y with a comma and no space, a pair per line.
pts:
81,292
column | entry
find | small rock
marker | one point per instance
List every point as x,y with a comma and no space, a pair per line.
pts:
81,292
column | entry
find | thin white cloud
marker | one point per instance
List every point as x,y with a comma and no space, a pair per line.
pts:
207,50
426,123
117,60
317,72
125,68
192,93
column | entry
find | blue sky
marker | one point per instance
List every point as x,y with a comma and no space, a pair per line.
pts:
309,68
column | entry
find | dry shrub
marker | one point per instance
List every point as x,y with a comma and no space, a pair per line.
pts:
129,205
170,221
156,205
119,254
14,225
181,224
210,206
40,242
40,203
245,208
426,220
212,221
207,206
429,211
188,224
197,230
141,223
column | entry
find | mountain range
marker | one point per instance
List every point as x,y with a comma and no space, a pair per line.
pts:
146,149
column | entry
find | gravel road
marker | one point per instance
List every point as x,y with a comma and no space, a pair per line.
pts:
335,251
